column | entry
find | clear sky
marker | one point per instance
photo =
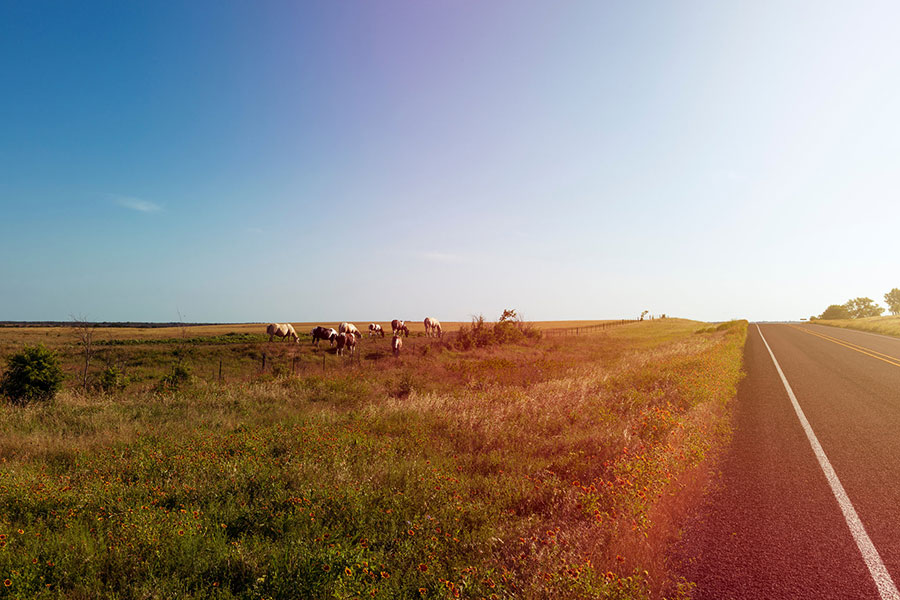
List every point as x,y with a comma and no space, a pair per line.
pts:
317,161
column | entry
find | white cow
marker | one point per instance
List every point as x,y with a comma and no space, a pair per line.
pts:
282,330
349,328
396,344
375,329
433,327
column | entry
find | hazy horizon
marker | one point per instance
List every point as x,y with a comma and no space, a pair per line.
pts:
318,161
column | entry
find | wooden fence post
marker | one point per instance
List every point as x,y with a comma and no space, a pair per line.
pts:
264,362
220,370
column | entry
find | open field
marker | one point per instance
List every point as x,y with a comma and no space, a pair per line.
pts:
549,468
61,335
882,325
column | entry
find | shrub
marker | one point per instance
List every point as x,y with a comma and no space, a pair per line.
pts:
31,375
112,378
179,376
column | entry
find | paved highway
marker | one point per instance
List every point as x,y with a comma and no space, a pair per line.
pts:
806,510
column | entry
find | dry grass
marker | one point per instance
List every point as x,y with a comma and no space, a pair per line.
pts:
560,468
882,325
54,336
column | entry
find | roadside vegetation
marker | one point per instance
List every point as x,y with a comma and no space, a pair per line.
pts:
863,314
532,468
882,325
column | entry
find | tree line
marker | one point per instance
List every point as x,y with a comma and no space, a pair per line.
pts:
859,308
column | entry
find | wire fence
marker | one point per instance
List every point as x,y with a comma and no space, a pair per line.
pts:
582,329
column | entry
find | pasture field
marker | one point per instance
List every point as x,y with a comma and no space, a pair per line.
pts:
549,468
882,325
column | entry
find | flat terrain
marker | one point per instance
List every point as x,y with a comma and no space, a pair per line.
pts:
540,467
773,528
58,335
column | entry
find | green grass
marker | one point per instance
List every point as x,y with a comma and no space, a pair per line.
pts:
882,325
545,470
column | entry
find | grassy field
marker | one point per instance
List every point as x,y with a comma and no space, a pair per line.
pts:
882,325
553,468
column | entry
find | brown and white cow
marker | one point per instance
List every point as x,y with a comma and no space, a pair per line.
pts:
349,328
323,333
282,330
346,340
396,344
399,326
375,329
433,327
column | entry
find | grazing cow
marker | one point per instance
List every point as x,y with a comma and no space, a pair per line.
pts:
398,325
433,327
375,329
396,344
282,330
346,340
324,333
349,328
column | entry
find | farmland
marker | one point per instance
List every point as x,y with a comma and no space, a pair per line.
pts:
550,467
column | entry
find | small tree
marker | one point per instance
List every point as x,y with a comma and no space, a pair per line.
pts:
509,316
31,375
860,308
835,311
892,299
85,332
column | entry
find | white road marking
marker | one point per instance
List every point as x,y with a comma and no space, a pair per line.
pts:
879,572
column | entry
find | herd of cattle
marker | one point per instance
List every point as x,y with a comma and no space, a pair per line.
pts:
347,335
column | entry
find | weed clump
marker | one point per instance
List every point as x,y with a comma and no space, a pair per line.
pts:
510,329
177,379
31,375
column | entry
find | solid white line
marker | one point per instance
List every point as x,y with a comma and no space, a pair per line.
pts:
879,573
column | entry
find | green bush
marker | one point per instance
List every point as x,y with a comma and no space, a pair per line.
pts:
175,380
112,378
31,375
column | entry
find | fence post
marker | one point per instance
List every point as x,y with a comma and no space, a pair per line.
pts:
323,362
220,370
264,363
294,366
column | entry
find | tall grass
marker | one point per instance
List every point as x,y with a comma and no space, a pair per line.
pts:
548,470
882,325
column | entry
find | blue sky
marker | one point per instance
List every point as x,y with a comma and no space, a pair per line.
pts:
369,160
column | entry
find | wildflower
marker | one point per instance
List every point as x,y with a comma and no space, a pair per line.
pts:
21,532
326,568
7,582
411,532
385,574
181,532
423,567
348,572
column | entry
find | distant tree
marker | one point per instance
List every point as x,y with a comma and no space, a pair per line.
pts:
892,299
836,311
32,374
85,332
509,316
860,308
644,314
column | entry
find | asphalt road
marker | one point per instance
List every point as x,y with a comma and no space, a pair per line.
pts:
773,526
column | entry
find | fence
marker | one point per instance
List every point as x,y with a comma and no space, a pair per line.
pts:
564,331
